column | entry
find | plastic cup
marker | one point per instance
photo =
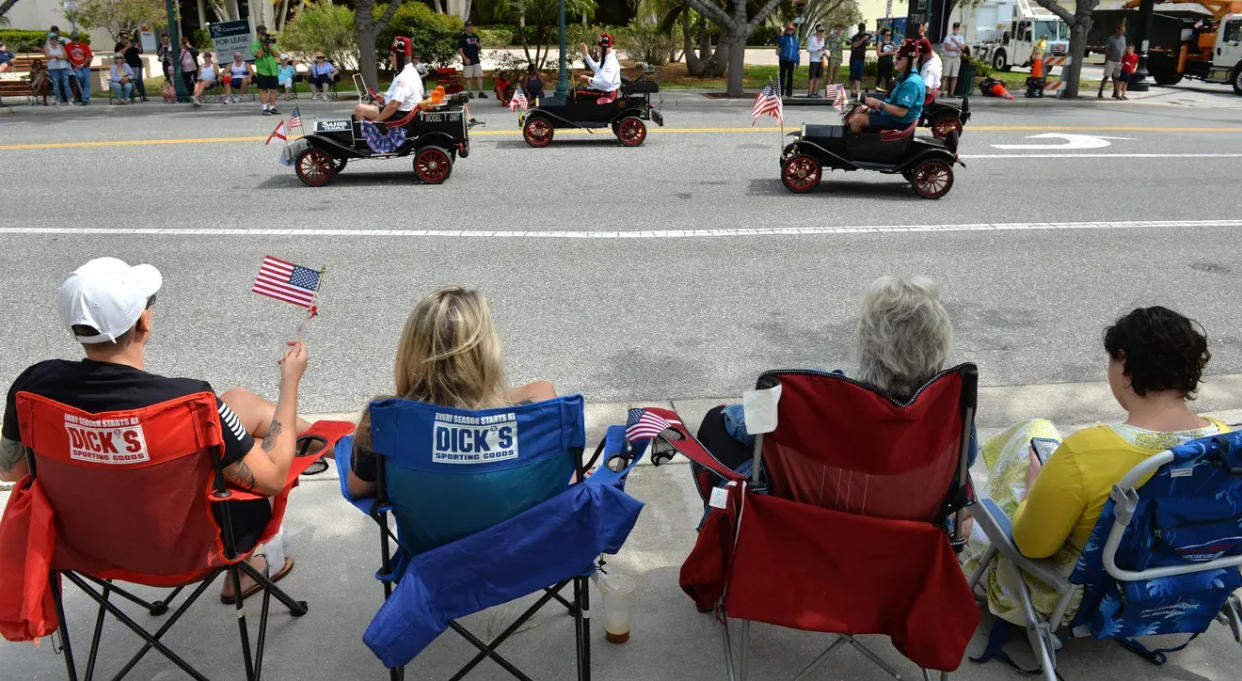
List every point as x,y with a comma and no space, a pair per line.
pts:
617,593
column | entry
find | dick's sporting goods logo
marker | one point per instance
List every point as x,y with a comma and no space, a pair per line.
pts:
110,441
474,439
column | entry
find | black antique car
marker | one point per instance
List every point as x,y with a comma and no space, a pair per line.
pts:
926,163
625,114
944,114
435,137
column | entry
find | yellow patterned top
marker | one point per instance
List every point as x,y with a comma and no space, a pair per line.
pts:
1074,485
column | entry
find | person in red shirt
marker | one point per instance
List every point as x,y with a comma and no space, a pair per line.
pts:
80,56
1129,62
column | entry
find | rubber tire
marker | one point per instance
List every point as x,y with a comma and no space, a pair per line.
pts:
324,163
339,167
432,175
998,61
944,120
817,174
940,166
1165,78
638,128
541,142
1237,79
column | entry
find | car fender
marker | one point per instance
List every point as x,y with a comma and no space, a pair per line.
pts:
557,121
628,111
928,154
439,139
821,154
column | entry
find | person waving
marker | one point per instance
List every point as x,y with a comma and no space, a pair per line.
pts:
606,76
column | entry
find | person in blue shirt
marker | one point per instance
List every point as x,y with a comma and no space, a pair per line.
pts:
904,103
788,52
6,58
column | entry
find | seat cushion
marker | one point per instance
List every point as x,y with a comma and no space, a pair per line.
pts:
898,135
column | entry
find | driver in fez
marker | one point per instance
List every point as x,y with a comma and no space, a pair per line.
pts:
904,102
406,90
606,73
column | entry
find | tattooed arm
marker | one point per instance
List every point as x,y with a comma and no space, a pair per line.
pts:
265,467
12,460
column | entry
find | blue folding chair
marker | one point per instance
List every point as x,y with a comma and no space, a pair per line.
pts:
489,506
1163,557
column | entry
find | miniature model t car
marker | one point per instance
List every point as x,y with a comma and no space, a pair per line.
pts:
944,114
624,111
926,163
435,137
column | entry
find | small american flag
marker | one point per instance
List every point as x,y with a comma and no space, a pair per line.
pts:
519,99
285,281
295,119
768,102
644,425
836,92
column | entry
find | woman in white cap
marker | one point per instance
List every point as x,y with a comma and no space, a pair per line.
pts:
285,75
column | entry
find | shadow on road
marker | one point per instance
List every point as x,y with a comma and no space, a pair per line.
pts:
884,191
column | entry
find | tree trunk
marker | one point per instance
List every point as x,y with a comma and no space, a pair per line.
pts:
1077,48
736,47
693,67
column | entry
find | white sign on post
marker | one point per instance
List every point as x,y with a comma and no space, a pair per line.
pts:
232,36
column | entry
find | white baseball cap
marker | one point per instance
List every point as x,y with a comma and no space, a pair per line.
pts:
108,295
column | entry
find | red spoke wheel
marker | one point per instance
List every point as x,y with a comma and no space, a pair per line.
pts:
932,179
631,131
801,174
941,127
537,131
432,165
314,167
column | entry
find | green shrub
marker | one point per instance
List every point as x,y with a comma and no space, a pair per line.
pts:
201,39
646,42
19,41
322,27
764,35
433,35
494,38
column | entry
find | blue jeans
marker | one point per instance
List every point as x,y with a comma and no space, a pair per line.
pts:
84,79
60,84
142,87
122,91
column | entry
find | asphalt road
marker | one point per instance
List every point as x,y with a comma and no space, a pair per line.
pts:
652,315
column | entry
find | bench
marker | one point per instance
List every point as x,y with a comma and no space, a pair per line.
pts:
16,83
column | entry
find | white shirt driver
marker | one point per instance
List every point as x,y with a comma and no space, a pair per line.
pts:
931,72
406,88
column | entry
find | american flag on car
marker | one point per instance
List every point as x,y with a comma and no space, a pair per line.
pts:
286,281
519,99
768,101
642,424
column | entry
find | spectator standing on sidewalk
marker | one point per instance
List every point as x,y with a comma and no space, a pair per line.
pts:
121,80
954,46
836,44
321,72
131,52
468,46
787,53
1114,50
57,66
885,50
267,68
1129,63
858,58
80,56
164,52
815,62
189,65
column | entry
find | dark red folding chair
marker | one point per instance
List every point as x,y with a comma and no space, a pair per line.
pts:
133,495
842,526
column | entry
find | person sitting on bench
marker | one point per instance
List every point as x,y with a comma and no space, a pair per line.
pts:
405,92
904,103
606,73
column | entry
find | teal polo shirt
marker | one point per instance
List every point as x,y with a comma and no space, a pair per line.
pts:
909,93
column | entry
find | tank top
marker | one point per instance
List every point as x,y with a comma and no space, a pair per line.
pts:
240,71
206,72
56,55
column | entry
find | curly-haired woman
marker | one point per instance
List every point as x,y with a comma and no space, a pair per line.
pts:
1155,360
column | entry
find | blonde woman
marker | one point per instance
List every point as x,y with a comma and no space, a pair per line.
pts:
448,355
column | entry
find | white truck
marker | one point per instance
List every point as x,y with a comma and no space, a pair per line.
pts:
1012,42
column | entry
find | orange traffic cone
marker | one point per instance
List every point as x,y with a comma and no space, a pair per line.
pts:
999,90
1037,67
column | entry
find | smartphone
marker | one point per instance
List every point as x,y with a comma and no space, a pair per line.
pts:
1044,447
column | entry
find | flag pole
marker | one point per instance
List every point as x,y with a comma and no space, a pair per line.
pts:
312,311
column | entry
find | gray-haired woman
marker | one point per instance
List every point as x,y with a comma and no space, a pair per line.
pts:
904,336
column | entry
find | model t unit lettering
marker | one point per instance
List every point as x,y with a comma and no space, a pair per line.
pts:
333,126
435,117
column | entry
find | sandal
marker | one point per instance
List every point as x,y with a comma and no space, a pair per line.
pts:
257,587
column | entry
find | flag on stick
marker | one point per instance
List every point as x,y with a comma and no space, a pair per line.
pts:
644,425
768,101
836,92
519,99
278,132
295,119
288,282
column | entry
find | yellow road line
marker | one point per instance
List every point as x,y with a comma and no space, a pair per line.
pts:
655,130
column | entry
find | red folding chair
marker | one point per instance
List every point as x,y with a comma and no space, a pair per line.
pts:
134,495
842,526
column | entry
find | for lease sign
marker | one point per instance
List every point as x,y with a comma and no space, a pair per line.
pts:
232,36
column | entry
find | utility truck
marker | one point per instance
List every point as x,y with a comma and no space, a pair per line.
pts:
1013,43
1200,39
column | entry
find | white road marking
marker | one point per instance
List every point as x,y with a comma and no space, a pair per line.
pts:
1069,141
1088,155
612,234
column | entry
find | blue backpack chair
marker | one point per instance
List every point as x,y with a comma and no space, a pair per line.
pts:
489,506
1163,557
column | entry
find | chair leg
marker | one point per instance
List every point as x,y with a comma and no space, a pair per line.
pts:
296,608
99,620
474,641
982,568
814,664
234,574
71,669
185,606
583,608
743,671
873,657
509,631
728,650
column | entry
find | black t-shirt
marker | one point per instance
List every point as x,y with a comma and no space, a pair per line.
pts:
859,52
469,45
132,58
102,386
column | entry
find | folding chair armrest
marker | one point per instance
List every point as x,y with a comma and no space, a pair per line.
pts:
344,464
999,529
327,432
